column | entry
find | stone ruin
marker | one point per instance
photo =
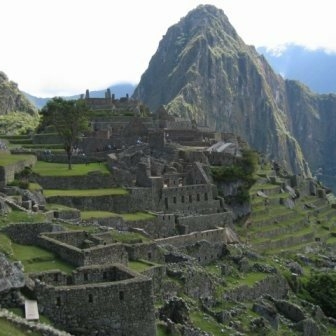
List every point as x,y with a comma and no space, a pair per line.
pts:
97,300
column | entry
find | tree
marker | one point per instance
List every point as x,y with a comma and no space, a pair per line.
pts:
322,288
70,119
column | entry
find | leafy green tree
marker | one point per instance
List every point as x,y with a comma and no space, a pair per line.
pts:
322,288
70,119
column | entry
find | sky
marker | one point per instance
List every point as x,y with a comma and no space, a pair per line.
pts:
63,47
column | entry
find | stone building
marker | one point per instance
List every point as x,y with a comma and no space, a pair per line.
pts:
98,300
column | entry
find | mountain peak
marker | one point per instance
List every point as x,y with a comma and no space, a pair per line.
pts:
204,71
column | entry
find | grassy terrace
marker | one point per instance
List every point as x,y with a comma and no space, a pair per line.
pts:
33,258
8,159
140,265
127,237
21,217
8,328
85,192
61,169
126,216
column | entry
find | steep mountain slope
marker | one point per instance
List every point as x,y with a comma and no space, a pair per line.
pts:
12,99
203,70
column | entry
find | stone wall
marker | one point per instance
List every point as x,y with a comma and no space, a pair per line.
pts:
27,233
67,214
34,327
157,274
213,236
73,238
93,180
106,254
71,254
117,203
110,306
221,159
203,222
142,198
101,254
274,285
205,252
229,188
146,251
163,225
190,198
47,138
7,173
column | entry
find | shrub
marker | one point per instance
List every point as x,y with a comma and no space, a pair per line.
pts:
322,289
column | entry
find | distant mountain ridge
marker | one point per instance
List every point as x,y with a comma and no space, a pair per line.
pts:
314,68
204,71
120,90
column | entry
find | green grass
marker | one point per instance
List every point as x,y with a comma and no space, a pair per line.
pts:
34,186
36,259
20,312
16,216
139,265
206,323
128,237
6,245
61,169
54,206
85,192
137,216
97,214
251,278
8,159
9,329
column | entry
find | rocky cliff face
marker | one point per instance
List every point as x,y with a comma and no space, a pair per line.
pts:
11,98
203,70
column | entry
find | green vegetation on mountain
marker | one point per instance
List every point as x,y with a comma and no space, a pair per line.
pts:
16,123
204,71
17,114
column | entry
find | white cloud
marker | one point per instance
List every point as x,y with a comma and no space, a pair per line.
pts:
66,46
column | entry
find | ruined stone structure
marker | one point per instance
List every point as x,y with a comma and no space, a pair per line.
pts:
7,173
149,158
98,300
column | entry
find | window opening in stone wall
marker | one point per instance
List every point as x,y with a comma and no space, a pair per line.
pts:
85,276
182,199
121,295
174,199
149,255
198,198
90,298
58,301
166,203
190,198
206,196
